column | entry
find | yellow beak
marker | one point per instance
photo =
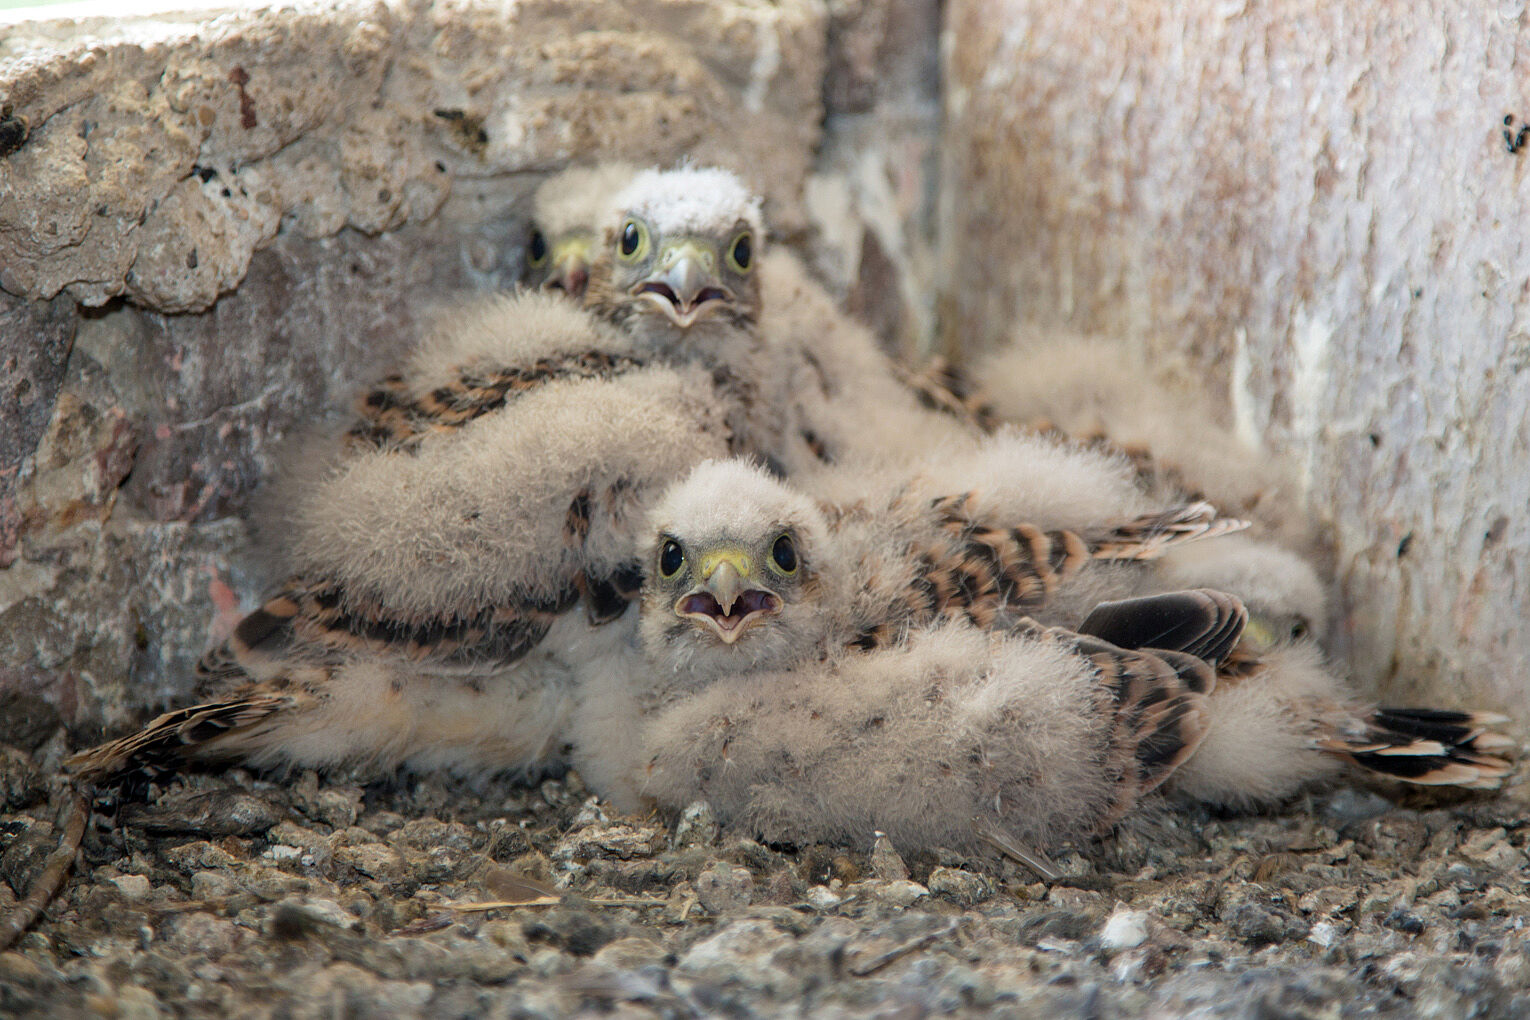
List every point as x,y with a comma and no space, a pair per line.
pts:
685,285
728,600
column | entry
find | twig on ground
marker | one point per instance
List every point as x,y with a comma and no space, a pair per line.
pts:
20,918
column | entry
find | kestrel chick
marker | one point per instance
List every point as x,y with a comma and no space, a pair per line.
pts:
687,270
568,212
806,701
756,613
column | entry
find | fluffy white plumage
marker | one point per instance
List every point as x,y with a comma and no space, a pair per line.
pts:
1093,388
691,200
925,741
771,715
1106,392
463,571
795,729
577,200
453,571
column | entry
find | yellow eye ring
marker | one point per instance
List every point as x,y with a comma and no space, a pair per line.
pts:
741,252
632,241
783,555
537,250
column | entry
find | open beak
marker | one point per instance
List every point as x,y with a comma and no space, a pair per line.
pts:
570,271
727,601
685,287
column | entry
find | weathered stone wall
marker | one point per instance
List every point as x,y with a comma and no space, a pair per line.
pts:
215,232
1317,204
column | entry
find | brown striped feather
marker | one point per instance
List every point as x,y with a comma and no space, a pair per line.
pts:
164,743
391,418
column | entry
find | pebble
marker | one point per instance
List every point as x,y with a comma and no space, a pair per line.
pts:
903,893
692,925
965,887
375,860
617,840
1124,929
216,813
133,887
723,888
697,826
1324,934
819,897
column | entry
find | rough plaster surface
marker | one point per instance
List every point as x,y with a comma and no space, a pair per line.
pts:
872,193
163,155
1316,203
215,233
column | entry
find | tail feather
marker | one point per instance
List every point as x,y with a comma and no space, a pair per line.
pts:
1151,535
172,738
1430,747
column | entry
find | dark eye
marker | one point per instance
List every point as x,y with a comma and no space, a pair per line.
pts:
742,252
631,238
670,558
784,552
1299,629
536,248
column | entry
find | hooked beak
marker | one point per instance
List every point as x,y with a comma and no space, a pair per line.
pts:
684,287
570,271
726,602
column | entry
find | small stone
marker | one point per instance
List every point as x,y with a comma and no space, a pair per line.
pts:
217,813
321,910
293,835
819,897
724,887
903,893
16,969
618,840
1326,902
1490,847
697,826
212,885
1513,969
375,860
132,1002
432,833
630,954
1256,925
337,808
1324,934
1403,921
133,887
202,934
746,953
1124,929
198,856
964,887
886,863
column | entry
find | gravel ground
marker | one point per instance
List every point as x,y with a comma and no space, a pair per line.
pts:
233,895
